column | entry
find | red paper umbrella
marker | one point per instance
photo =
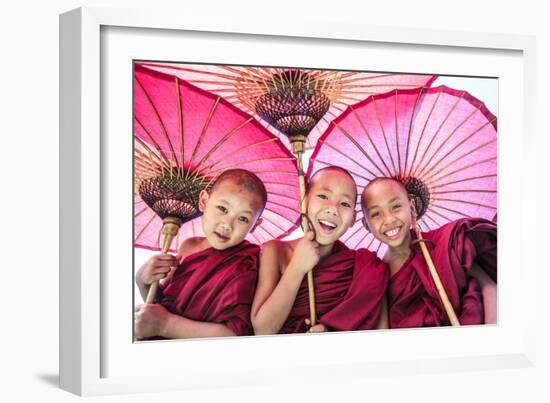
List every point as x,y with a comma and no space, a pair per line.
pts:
184,138
440,142
287,100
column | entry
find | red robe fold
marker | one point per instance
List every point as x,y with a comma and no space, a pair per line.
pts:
349,287
413,300
216,286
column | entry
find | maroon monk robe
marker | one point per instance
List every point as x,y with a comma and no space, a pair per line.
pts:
349,286
413,300
215,286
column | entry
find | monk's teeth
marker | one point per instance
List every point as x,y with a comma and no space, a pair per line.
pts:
327,223
392,232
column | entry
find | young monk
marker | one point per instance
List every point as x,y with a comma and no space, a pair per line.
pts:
349,287
207,289
463,252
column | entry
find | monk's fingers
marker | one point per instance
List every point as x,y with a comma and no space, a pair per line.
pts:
138,308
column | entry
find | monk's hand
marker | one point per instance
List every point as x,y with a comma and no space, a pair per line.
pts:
318,328
156,268
150,320
306,253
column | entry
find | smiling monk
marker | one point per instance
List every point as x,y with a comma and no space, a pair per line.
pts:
464,253
349,286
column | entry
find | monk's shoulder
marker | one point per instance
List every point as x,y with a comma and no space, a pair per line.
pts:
191,245
277,251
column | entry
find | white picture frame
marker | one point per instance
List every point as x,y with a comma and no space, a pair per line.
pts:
98,357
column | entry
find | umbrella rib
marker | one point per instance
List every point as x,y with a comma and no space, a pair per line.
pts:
379,246
280,215
252,162
466,202
223,140
430,178
190,70
463,180
425,223
353,234
465,191
275,224
145,227
374,101
282,205
148,149
255,238
362,150
141,212
414,167
436,134
163,127
371,241
180,120
450,209
439,214
203,131
349,170
155,144
233,153
361,240
348,157
397,135
427,216
457,170
282,195
410,131
453,149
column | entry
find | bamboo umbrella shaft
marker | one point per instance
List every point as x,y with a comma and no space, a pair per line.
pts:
438,285
169,230
305,225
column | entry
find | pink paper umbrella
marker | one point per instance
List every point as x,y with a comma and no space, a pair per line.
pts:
185,137
290,100
440,142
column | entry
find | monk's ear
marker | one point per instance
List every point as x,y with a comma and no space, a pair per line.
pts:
258,222
413,209
203,198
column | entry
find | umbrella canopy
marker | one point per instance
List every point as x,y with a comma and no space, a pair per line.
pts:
440,142
289,100
185,138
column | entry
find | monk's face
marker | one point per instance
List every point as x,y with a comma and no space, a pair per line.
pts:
331,205
229,214
387,212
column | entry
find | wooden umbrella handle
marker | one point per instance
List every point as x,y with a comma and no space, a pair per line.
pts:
169,230
435,276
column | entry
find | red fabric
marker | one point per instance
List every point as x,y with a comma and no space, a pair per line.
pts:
216,286
349,286
413,300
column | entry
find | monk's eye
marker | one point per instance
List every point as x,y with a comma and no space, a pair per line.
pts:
222,209
346,204
375,214
322,196
396,207
243,219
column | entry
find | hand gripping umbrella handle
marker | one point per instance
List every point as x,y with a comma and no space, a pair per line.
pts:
435,277
169,230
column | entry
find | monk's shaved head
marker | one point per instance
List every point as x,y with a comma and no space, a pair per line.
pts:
244,179
333,168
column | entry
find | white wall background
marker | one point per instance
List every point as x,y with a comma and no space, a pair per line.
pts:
29,138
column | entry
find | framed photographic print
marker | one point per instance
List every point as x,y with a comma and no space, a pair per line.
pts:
155,108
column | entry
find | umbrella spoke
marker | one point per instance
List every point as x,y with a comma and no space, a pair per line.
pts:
431,179
203,131
464,191
383,133
283,206
360,240
145,227
397,135
410,132
371,142
353,234
466,202
456,147
141,212
427,216
151,153
152,140
425,153
349,170
239,165
275,224
414,161
279,214
235,152
450,209
223,140
292,185
180,121
161,122
464,180
430,210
